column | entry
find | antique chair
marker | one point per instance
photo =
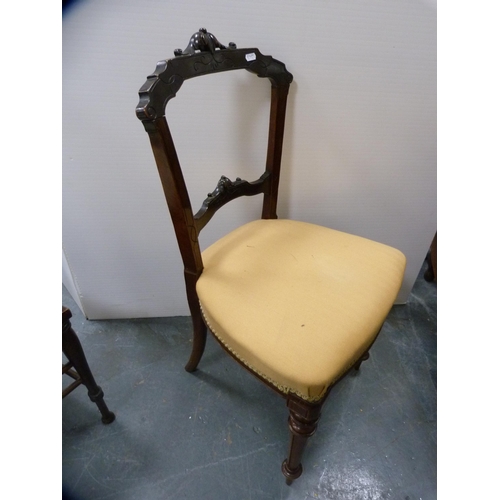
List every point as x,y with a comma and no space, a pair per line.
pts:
78,368
294,303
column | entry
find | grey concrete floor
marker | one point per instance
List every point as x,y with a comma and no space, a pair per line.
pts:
221,434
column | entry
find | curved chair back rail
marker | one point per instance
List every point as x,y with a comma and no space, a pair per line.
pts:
170,74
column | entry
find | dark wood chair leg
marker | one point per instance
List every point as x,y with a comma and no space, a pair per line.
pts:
199,327
431,259
429,272
365,356
72,349
302,423
199,341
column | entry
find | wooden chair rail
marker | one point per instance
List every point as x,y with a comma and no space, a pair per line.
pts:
227,191
169,75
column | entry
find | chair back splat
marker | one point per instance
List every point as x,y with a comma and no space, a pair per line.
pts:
296,304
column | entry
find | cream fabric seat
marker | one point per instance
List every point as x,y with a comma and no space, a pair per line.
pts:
298,303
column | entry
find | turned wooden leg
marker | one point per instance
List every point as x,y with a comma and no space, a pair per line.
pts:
302,423
199,341
365,356
72,349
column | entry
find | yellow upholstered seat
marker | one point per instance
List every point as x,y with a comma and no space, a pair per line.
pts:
296,302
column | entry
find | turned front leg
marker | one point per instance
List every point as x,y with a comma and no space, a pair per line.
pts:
302,423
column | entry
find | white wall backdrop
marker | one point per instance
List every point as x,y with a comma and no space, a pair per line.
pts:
360,143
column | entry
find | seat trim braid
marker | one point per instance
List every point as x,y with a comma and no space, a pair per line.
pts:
285,390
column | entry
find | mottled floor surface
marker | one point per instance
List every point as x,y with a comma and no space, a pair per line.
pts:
220,434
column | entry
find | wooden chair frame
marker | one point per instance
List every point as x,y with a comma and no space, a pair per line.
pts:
205,55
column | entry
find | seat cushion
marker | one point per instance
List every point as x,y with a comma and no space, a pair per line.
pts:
296,302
